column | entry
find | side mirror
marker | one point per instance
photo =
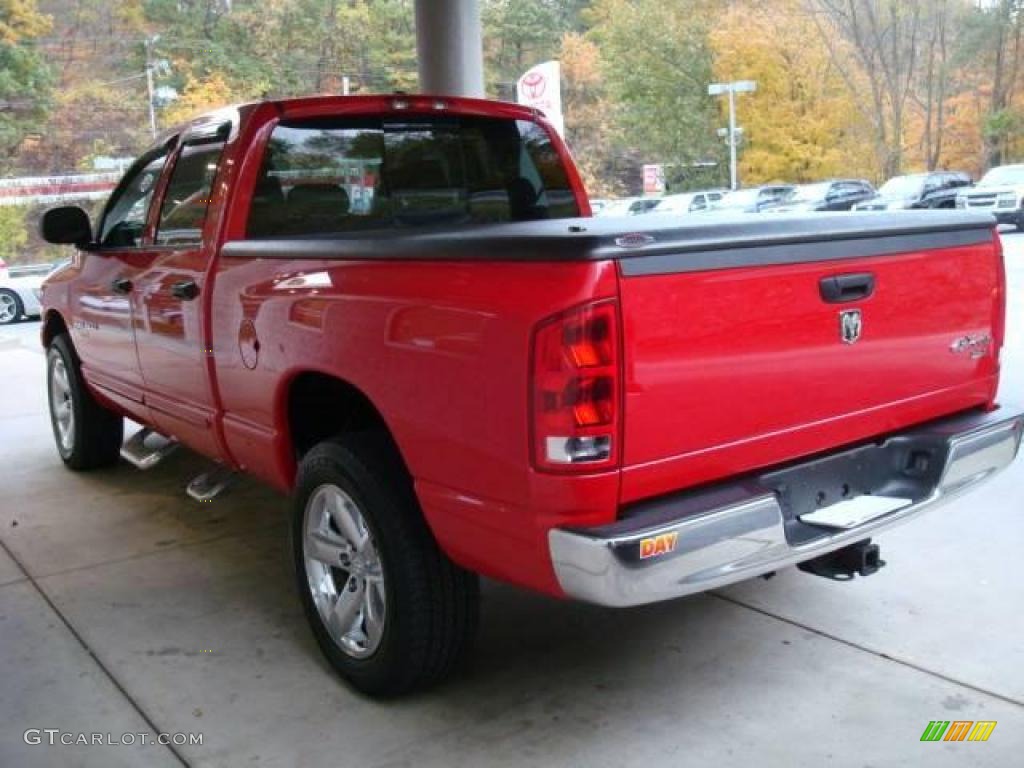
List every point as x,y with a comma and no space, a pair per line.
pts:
67,225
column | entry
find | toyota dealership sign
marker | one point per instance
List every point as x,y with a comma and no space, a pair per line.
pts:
541,88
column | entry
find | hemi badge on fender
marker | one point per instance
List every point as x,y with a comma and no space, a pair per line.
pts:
661,544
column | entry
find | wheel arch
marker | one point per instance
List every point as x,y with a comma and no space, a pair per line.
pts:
315,406
53,326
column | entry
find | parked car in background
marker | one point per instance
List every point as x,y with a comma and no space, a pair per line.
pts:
1000,191
689,202
627,206
918,190
753,199
834,195
19,291
643,205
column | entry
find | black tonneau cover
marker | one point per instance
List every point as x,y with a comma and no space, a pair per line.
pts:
651,243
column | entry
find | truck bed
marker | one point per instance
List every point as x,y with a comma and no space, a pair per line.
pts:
649,244
733,359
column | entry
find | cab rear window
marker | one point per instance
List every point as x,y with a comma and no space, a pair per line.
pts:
331,177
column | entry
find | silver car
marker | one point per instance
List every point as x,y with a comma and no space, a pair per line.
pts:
20,288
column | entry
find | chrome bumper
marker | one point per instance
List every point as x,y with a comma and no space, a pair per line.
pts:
747,529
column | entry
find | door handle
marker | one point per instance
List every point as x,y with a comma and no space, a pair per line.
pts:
186,290
121,285
842,288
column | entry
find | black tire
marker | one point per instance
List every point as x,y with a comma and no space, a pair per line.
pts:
432,605
11,298
97,433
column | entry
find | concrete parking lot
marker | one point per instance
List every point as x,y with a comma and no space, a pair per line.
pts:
126,608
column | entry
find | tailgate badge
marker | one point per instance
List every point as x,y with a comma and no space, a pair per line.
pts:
975,346
850,325
634,240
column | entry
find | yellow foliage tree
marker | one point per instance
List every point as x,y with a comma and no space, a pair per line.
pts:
801,124
962,147
586,108
201,96
20,19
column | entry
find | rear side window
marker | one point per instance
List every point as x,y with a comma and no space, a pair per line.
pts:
328,177
187,198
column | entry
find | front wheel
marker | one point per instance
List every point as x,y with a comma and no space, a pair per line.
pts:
88,436
10,307
389,610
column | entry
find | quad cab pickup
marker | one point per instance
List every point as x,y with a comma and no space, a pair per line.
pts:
398,310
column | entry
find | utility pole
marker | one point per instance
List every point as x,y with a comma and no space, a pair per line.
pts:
737,86
149,43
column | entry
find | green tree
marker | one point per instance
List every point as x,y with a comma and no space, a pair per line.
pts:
13,233
25,78
656,65
991,55
517,35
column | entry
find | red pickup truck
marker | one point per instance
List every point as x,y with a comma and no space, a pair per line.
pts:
398,309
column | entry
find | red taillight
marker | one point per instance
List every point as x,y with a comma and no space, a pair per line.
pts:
575,398
999,321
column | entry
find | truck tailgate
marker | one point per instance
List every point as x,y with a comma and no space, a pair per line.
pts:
748,357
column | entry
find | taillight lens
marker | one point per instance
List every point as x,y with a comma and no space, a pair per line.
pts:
999,321
575,398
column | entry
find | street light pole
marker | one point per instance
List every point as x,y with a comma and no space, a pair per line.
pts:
737,86
150,41
732,139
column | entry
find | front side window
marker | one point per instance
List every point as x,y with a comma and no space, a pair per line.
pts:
338,176
125,217
187,198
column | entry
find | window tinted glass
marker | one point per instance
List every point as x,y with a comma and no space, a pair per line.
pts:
183,210
126,212
338,176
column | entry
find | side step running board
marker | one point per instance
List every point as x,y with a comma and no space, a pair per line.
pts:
146,448
209,485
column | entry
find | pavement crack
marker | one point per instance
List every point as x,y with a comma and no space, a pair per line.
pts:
865,649
99,662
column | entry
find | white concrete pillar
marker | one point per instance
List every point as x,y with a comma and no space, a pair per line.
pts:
449,47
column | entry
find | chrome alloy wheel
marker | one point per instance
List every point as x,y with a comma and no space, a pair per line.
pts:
343,570
8,308
61,405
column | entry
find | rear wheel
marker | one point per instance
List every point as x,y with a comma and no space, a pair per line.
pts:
10,307
389,610
88,436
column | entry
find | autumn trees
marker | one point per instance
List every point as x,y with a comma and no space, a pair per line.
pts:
846,87
25,79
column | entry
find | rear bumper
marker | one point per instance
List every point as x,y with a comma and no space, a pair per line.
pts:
745,529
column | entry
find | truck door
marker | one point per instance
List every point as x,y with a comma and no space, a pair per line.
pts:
171,334
102,319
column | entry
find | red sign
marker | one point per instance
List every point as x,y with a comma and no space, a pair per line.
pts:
654,179
534,83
